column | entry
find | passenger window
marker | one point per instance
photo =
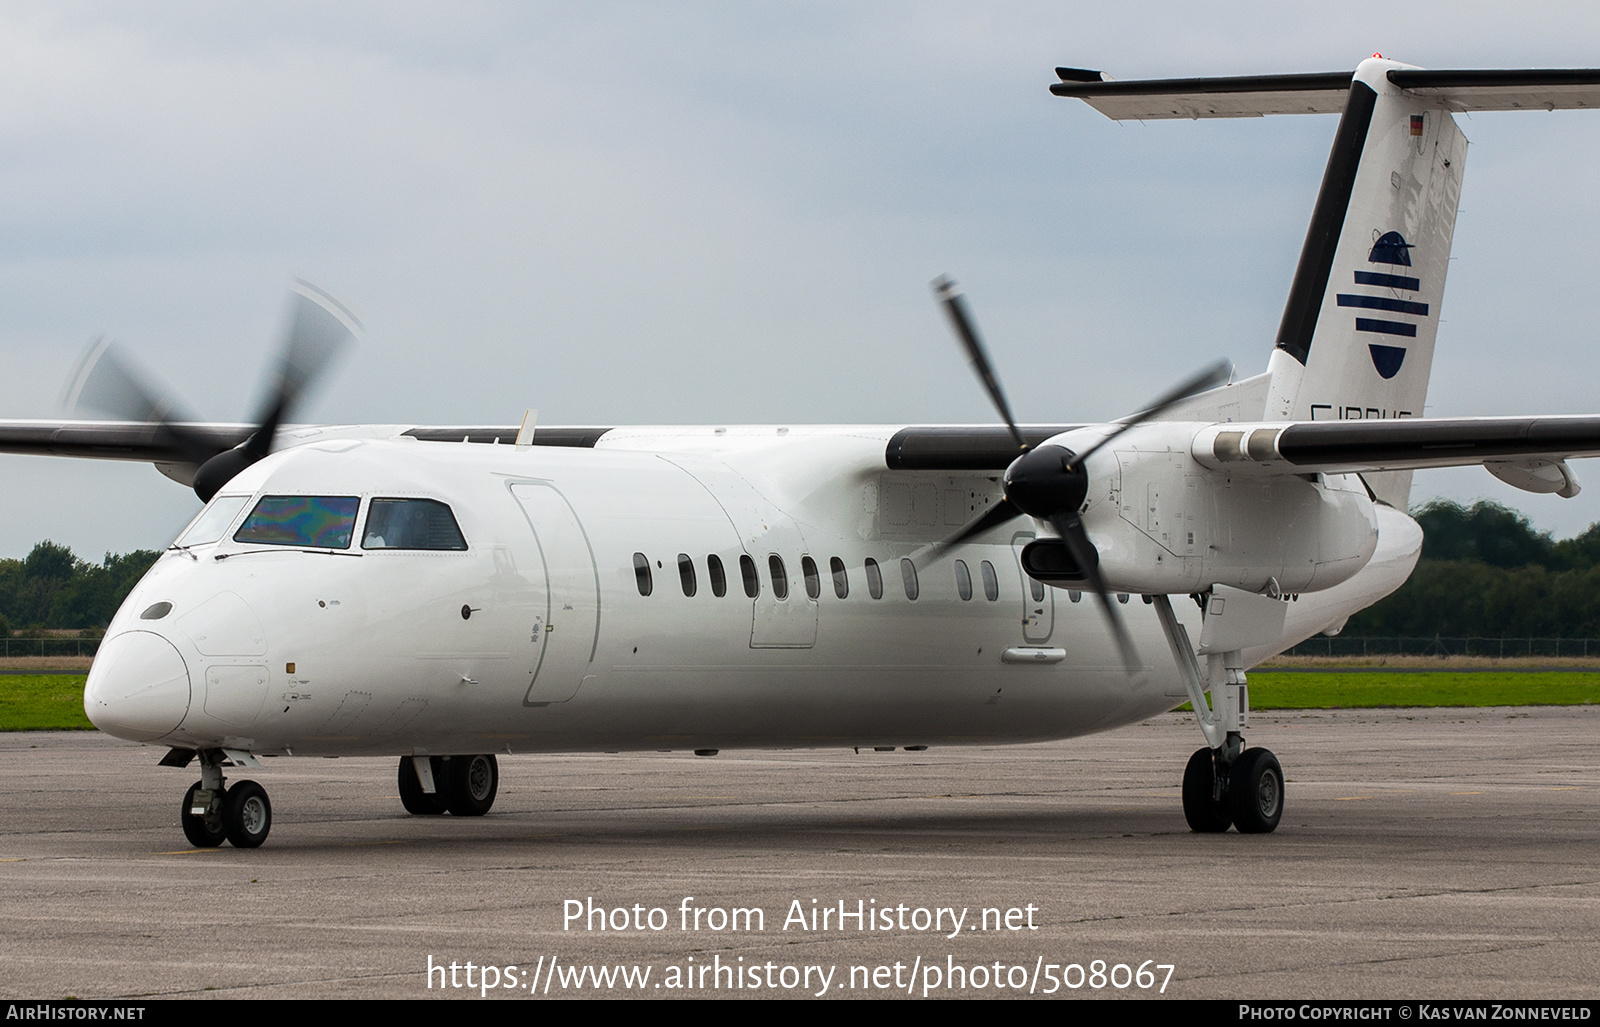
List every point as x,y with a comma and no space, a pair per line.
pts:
991,581
780,577
908,571
1037,588
641,573
686,574
752,584
325,522
808,568
874,579
411,524
841,580
963,581
719,580
1074,595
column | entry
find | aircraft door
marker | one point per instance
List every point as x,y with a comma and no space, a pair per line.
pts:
565,630
1038,599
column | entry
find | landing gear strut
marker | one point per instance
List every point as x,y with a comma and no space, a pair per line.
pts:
464,785
213,812
1224,784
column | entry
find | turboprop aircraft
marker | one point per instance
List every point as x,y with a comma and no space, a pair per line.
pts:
447,594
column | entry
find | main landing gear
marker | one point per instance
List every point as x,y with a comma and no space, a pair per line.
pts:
462,785
212,812
1248,794
1224,783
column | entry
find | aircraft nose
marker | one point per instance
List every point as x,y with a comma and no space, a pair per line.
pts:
138,688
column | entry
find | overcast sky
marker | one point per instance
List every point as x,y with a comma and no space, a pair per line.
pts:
670,213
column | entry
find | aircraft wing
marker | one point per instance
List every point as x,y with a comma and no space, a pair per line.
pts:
114,440
1524,451
1527,452
153,443
1396,444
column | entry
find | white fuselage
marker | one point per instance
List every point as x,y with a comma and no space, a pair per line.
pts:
536,637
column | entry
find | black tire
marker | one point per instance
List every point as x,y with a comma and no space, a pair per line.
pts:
1255,792
474,781
413,798
203,832
246,815
1205,814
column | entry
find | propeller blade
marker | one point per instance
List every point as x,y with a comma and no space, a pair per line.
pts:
1207,378
319,329
108,381
955,307
993,517
1072,532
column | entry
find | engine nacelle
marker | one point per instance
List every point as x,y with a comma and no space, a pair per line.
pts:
1164,524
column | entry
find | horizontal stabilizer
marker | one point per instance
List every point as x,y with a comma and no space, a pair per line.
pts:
1254,96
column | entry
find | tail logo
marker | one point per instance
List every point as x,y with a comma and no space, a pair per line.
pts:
1392,249
1386,359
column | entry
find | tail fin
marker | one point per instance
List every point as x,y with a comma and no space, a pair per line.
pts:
1357,335
1356,340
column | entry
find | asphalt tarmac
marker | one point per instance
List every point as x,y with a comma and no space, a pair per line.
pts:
1424,854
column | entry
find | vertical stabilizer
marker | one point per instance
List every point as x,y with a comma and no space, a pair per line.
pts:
1356,341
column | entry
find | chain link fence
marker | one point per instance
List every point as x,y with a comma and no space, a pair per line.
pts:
49,646
1363,645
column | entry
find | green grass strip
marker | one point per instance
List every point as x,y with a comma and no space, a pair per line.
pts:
1309,690
54,702
42,702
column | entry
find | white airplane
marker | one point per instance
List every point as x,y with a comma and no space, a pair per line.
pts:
448,594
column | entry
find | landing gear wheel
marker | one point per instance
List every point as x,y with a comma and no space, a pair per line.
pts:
246,815
1205,814
204,831
1255,792
413,798
474,780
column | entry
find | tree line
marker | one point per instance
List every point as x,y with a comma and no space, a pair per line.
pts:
1485,571
51,588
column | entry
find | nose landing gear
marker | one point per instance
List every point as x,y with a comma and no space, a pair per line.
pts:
202,817
212,812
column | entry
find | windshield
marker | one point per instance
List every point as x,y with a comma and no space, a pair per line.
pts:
213,521
325,522
411,524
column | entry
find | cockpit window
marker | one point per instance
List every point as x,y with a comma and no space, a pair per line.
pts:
213,521
411,524
326,522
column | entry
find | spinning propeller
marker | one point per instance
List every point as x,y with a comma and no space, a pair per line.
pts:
318,328
1050,483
